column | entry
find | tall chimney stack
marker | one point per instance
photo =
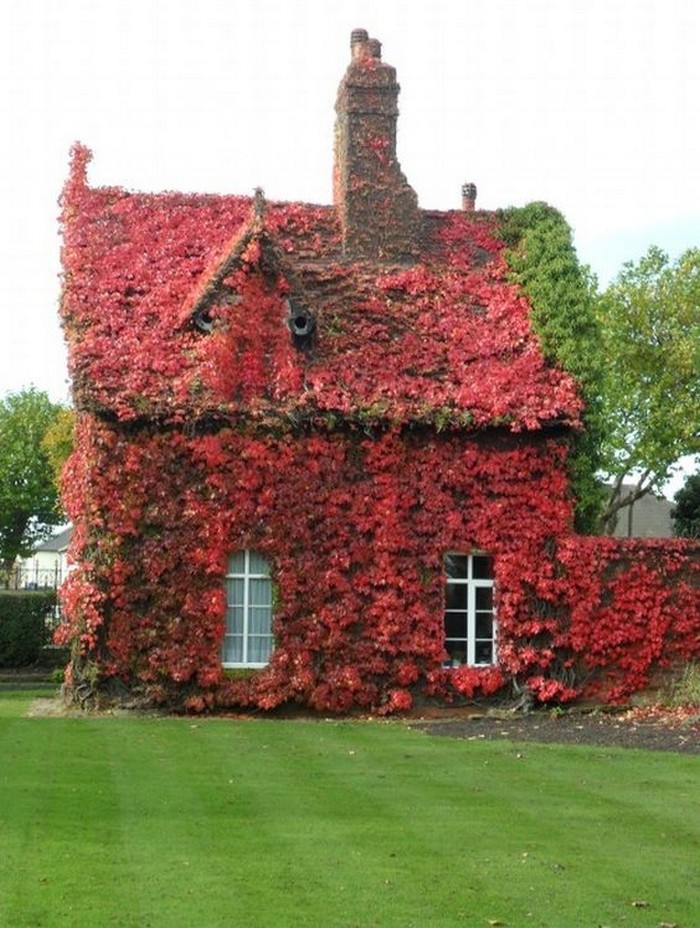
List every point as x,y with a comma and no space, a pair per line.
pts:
378,209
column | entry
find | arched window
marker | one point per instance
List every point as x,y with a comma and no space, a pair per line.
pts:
248,639
470,623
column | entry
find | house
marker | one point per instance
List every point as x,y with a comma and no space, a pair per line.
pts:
321,456
647,517
47,567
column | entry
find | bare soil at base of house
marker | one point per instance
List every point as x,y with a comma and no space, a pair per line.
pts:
647,729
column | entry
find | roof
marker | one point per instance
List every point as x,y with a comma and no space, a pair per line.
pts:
58,542
177,307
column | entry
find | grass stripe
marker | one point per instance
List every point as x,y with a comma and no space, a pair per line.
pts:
167,822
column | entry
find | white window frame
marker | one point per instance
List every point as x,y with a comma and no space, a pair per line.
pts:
247,576
472,584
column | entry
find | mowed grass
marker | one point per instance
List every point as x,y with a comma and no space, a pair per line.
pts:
165,822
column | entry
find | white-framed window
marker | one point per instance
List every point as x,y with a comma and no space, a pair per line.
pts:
470,618
248,639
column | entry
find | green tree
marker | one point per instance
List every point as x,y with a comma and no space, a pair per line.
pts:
686,513
649,321
58,442
29,503
562,292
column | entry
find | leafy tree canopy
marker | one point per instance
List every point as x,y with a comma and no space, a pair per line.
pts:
58,442
686,514
649,320
29,504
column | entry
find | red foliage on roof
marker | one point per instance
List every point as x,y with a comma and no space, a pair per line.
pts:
446,341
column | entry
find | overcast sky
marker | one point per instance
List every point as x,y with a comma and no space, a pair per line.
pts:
591,105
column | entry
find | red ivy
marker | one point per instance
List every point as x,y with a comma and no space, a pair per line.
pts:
355,529
329,461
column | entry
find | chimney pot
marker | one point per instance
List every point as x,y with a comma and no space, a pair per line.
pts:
375,49
357,36
468,197
359,44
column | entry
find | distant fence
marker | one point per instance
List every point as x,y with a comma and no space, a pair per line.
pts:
32,578
35,578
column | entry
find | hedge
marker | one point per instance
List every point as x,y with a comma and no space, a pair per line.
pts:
23,631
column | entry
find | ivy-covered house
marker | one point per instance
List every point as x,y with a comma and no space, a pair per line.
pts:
321,454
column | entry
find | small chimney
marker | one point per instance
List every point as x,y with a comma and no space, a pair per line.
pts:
378,209
468,197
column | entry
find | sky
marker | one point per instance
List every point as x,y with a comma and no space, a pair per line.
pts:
591,105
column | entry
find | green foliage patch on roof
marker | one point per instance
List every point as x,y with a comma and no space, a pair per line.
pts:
562,292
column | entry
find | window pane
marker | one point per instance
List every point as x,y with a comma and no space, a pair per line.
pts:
233,649
483,652
259,621
456,625
260,593
456,596
236,563
259,649
482,567
457,652
234,592
484,625
259,564
484,598
457,566
234,620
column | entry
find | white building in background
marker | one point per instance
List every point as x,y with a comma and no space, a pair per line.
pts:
648,517
48,566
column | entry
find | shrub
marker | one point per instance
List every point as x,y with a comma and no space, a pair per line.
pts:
23,630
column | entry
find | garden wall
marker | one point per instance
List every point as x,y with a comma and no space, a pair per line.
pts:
634,608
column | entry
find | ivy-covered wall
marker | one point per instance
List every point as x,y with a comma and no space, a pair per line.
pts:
356,528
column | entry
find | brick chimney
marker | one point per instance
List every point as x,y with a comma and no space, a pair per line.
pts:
378,209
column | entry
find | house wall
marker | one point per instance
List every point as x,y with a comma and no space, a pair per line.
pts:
46,567
42,569
648,517
355,527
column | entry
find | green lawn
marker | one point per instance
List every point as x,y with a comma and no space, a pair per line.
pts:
162,823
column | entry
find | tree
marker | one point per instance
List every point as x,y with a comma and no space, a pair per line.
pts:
686,513
650,341
58,442
29,503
